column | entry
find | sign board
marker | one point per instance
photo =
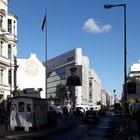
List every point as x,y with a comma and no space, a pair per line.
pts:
74,75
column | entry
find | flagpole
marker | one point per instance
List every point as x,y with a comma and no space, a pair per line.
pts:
46,50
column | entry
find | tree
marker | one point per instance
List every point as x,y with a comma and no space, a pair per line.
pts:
61,93
132,83
133,80
51,98
16,92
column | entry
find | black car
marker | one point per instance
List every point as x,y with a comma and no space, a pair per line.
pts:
91,116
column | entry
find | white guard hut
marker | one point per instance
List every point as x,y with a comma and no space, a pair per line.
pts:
27,113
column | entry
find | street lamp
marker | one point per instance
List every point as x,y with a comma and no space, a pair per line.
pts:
108,6
114,95
114,98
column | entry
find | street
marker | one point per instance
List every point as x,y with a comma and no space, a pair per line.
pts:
104,130
75,129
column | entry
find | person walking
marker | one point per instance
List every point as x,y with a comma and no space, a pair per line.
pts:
65,113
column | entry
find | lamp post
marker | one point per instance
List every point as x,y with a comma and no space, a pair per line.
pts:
108,6
114,95
114,99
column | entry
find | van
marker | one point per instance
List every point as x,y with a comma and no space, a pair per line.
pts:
95,107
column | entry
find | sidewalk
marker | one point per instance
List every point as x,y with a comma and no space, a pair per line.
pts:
61,124
132,132
35,133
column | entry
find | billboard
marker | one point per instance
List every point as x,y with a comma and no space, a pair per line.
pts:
74,75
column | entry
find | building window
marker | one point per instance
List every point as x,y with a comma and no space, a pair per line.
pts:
9,51
1,76
10,25
69,59
1,48
10,77
61,72
1,21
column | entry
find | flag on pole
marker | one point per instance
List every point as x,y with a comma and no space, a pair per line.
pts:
43,23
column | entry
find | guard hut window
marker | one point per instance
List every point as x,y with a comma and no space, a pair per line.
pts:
28,109
21,107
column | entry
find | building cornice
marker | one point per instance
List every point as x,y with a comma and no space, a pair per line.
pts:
13,15
3,12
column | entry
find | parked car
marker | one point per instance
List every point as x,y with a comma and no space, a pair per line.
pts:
81,110
102,112
91,116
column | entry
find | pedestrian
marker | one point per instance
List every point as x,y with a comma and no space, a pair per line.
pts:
138,118
78,113
65,113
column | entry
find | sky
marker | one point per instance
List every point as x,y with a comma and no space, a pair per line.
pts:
81,24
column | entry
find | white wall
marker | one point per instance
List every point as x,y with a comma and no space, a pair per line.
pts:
96,87
135,67
31,74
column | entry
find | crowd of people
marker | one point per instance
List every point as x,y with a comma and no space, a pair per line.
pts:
78,113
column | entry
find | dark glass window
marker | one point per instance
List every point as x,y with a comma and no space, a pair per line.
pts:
28,107
1,48
10,77
21,107
61,72
1,76
10,25
9,51
69,59
1,20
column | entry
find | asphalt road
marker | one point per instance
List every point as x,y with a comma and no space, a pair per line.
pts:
104,130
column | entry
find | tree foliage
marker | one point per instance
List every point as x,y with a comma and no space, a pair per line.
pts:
16,92
61,92
133,80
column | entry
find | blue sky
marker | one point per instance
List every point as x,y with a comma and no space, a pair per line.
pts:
81,24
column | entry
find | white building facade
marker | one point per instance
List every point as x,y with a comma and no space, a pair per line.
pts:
31,74
95,87
57,74
8,49
135,70
134,95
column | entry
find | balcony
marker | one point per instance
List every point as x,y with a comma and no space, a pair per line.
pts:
4,60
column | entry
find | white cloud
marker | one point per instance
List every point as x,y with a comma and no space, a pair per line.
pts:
92,26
